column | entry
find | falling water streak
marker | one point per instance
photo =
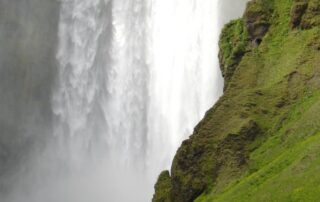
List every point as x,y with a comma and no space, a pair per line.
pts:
78,82
127,80
183,74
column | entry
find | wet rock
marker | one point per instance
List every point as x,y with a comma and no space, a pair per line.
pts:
298,10
311,18
305,14
257,19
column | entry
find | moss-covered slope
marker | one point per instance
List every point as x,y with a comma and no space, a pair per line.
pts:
261,141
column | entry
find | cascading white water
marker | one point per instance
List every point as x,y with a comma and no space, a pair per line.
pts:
184,73
79,84
134,78
101,98
102,92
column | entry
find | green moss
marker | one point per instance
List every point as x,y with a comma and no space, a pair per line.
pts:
305,14
259,10
311,18
163,188
233,43
289,177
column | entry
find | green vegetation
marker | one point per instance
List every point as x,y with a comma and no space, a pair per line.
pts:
260,141
164,185
233,42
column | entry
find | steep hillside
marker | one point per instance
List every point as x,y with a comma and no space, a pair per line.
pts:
261,141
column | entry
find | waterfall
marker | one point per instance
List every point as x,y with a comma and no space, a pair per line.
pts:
183,73
133,79
101,98
102,89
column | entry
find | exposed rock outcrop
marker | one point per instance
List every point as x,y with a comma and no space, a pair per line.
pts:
257,19
305,14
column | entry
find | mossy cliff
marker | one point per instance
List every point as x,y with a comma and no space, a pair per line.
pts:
261,141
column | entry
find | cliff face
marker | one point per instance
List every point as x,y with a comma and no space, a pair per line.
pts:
260,141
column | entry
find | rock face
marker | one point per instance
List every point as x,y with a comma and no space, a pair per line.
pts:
305,14
257,19
265,127
298,10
